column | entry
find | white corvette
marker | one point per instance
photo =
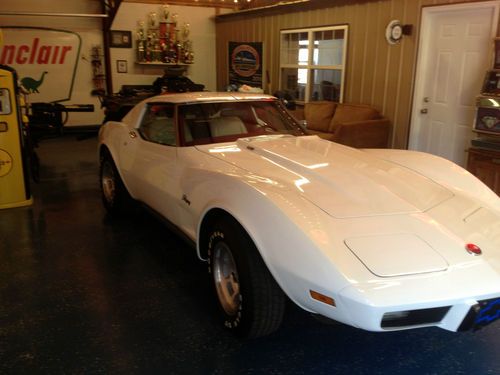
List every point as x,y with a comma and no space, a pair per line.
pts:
378,239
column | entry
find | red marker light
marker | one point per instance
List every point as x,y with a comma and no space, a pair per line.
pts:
473,249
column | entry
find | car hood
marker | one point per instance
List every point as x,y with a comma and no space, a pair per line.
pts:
342,181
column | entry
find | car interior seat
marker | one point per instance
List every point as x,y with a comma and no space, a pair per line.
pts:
227,125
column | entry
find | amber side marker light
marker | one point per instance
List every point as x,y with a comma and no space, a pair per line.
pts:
322,298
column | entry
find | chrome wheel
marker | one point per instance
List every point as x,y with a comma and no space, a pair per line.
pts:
250,301
108,182
226,278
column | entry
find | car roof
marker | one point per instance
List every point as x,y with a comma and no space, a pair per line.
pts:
206,96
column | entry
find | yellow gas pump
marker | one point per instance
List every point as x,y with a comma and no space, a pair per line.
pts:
14,180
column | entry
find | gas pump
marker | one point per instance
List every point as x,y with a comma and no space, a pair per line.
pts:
14,176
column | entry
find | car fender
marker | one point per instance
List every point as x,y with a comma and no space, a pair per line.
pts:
284,228
112,135
442,171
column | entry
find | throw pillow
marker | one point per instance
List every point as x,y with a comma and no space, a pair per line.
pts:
319,114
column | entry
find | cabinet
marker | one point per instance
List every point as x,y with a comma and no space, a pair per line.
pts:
485,165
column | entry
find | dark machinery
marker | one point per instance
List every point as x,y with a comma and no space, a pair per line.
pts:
47,120
118,105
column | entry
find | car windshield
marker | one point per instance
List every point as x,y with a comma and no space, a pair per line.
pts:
207,123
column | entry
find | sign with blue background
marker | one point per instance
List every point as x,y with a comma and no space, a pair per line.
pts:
245,63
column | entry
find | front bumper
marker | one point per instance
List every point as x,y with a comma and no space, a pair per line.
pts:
452,314
481,314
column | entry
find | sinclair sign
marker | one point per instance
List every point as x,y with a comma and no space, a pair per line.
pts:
45,60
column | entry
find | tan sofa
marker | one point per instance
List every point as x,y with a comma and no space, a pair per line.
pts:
355,125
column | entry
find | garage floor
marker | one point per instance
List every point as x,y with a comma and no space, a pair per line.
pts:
81,293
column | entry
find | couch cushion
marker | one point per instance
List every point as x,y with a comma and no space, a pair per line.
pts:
352,112
319,115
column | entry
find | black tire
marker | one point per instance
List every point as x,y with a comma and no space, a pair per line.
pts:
249,298
115,196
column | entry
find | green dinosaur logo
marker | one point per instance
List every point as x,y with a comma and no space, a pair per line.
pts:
31,84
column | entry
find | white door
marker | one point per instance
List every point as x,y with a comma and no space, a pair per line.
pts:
455,51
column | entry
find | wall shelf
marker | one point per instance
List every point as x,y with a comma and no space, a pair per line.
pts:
170,69
162,64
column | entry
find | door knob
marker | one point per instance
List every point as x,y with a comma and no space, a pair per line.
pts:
423,110
427,99
132,134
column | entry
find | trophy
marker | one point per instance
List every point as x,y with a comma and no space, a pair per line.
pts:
165,11
175,16
152,20
185,31
140,30
140,37
141,53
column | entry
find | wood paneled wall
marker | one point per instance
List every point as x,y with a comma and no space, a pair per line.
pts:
377,73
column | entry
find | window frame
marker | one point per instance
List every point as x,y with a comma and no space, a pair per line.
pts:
310,66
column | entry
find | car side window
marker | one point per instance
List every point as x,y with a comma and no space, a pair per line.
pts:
158,124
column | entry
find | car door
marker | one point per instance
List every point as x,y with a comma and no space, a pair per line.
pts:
154,171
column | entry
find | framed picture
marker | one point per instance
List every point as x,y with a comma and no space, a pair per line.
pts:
121,66
120,39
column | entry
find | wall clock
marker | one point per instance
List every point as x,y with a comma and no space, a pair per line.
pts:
394,32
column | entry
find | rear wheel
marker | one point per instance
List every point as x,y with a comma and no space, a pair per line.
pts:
251,302
115,196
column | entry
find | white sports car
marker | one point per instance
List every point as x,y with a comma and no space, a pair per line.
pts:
378,239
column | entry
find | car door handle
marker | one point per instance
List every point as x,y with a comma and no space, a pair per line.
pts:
132,134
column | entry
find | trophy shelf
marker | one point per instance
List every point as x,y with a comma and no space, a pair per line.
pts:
160,63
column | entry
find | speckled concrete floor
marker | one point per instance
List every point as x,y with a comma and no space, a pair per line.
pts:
82,294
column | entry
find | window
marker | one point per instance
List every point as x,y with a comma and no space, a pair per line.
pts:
312,63
5,108
158,124
207,123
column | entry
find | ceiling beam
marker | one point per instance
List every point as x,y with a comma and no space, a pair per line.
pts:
111,8
200,3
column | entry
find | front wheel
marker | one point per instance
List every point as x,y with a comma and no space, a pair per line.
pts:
115,196
250,300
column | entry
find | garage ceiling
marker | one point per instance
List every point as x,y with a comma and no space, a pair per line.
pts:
232,4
